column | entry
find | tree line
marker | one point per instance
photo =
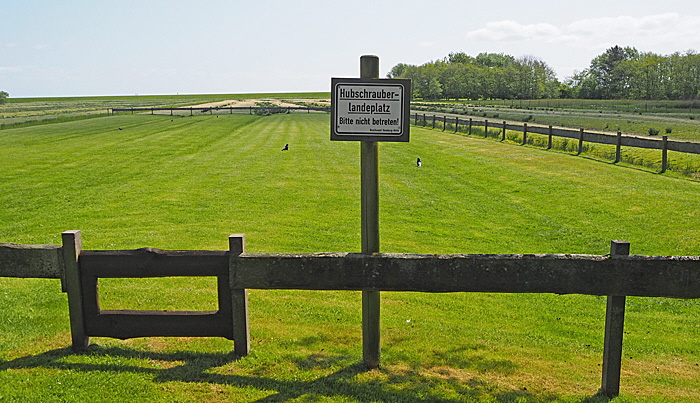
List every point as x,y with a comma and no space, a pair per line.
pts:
618,73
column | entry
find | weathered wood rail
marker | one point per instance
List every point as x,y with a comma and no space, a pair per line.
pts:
616,275
581,135
644,276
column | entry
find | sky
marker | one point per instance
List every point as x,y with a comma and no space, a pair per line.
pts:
99,47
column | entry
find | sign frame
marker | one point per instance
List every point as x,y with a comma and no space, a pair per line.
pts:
385,117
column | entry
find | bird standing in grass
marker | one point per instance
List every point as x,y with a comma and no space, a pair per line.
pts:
418,162
286,147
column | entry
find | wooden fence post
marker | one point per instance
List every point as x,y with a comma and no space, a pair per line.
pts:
580,141
433,121
456,124
524,133
503,134
549,140
470,126
618,148
239,301
444,122
486,128
664,154
614,327
369,206
72,245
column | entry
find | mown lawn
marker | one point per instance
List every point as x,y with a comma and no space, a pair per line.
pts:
187,183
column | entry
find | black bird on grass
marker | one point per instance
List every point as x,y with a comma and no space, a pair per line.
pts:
286,147
418,162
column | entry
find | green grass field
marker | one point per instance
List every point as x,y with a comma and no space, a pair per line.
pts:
189,182
676,119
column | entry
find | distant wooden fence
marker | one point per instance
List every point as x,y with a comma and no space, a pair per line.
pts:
616,275
619,140
229,109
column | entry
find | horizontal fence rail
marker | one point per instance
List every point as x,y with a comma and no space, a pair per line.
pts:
30,261
645,276
633,275
619,140
616,276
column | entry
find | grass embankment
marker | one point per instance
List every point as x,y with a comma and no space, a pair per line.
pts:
676,127
26,112
677,119
186,183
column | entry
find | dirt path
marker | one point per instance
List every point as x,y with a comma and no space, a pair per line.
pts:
244,103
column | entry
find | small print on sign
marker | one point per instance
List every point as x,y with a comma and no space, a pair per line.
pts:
369,109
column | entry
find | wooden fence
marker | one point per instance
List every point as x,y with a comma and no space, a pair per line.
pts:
616,275
619,140
228,109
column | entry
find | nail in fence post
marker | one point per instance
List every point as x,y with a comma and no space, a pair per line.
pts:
614,328
72,245
239,301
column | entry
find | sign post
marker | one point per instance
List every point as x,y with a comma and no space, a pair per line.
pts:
370,110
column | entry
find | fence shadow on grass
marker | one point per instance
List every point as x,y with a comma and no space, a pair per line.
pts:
406,386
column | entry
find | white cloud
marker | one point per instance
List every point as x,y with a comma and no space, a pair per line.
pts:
514,31
10,70
668,30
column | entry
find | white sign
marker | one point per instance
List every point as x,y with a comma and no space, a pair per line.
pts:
374,110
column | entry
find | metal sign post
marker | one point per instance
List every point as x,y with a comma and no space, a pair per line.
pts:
370,110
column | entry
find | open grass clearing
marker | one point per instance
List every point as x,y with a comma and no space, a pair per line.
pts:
187,183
